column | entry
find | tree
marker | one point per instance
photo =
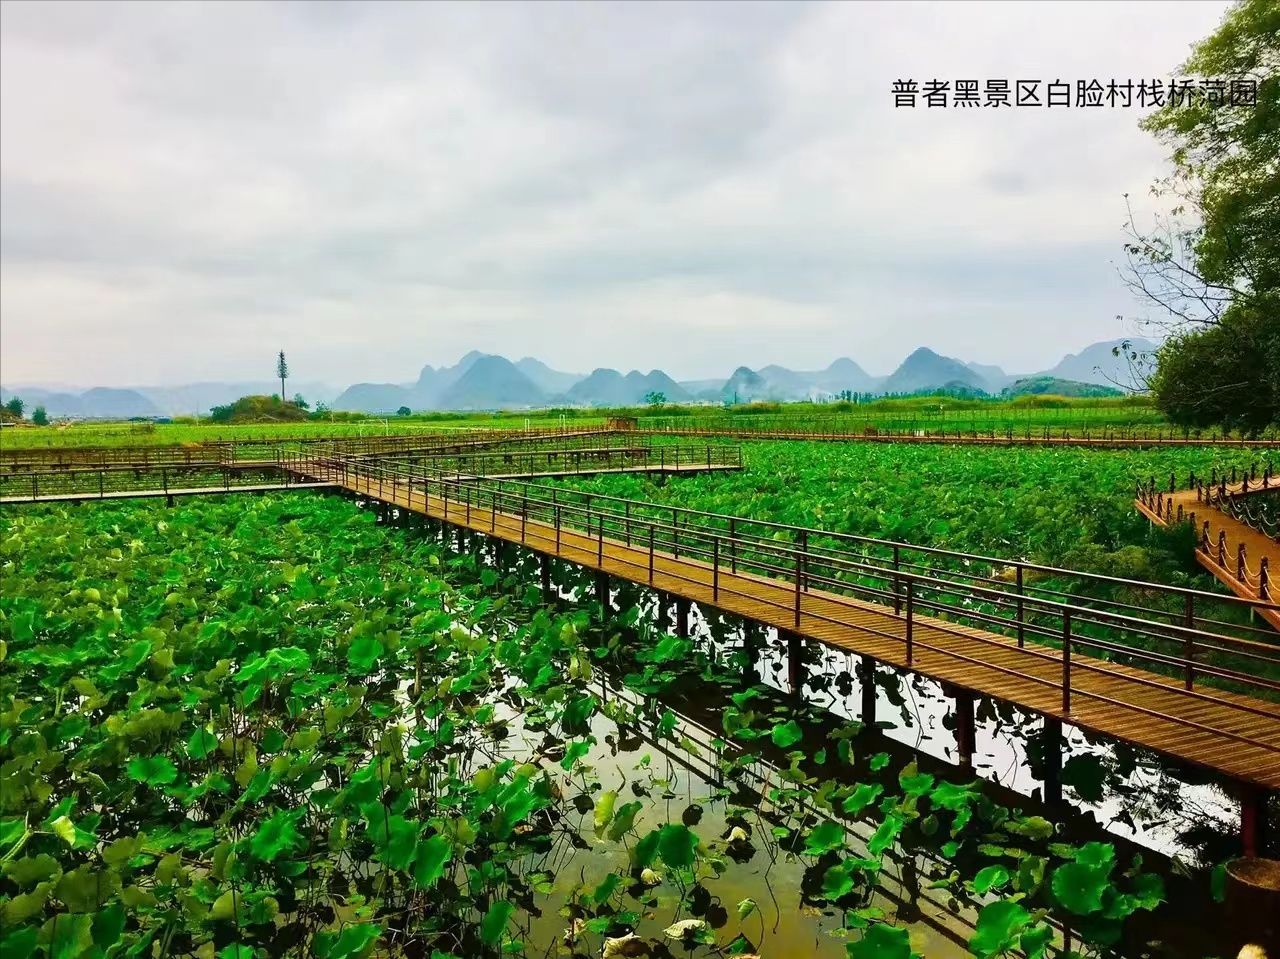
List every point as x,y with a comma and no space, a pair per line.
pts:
403,411
655,398
300,403
14,407
1223,375
1212,266
39,416
282,373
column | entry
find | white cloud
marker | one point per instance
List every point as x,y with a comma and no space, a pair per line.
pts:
187,188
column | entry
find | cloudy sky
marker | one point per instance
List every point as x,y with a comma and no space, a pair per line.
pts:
185,189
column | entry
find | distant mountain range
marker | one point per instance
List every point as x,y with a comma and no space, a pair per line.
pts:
481,381
185,400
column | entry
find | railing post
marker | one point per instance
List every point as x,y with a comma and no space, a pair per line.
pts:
524,515
897,581
1022,637
651,554
557,528
627,510
1264,580
599,539
715,568
804,549
911,602
733,550
799,577
101,488
1066,662
1189,645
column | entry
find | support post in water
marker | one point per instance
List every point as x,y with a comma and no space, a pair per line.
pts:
750,654
1253,820
1051,742
544,563
795,662
602,594
867,678
682,617
965,727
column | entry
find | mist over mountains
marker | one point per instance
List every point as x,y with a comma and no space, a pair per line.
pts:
481,381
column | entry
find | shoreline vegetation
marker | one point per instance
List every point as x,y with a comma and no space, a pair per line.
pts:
1057,414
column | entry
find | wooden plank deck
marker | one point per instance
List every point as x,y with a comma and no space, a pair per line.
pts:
155,493
1232,734
1257,546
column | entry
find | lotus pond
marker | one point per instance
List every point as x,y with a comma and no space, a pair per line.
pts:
253,727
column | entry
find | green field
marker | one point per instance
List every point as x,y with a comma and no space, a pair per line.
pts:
163,434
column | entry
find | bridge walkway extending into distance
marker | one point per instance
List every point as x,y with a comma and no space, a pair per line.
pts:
1076,669
860,432
116,481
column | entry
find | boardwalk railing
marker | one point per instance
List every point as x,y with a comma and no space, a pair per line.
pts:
1201,638
659,458
852,427
1222,512
263,448
106,481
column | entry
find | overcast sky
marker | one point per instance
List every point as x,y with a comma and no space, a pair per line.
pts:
185,189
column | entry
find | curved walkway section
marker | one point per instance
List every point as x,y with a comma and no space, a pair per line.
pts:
1243,558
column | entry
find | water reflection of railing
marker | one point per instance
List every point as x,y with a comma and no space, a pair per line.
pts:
761,775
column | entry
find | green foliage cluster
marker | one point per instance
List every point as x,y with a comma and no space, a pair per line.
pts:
1066,507
259,409
254,728
1051,387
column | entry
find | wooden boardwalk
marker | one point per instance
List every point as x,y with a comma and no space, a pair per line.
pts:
166,493
654,469
1235,735
960,438
1244,559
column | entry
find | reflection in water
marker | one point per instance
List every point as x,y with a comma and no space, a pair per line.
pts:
1138,795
